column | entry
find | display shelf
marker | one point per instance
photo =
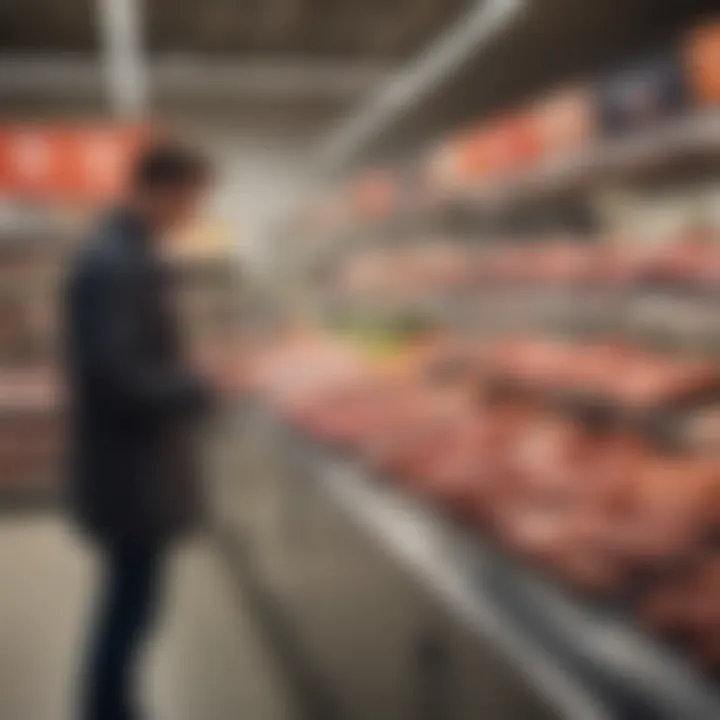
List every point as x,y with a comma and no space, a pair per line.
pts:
685,146
31,498
693,139
589,660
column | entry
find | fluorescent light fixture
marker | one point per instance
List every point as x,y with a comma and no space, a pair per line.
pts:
443,58
126,75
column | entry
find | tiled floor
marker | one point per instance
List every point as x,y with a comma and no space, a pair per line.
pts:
207,663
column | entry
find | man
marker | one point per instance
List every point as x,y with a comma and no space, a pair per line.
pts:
134,404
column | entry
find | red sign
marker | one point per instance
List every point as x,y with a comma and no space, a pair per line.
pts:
703,58
76,163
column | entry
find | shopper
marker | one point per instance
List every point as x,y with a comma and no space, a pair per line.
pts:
135,403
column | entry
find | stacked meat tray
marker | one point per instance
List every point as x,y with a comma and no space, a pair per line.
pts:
527,413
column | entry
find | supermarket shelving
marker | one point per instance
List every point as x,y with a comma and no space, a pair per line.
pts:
589,660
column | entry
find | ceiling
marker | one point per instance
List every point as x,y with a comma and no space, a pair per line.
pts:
67,25
317,28
328,44
549,43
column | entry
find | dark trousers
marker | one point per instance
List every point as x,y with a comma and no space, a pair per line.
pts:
128,601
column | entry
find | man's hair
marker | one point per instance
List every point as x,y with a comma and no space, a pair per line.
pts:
170,164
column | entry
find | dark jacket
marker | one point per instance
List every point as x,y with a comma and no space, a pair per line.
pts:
134,404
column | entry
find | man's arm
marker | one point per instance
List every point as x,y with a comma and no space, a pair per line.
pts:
107,317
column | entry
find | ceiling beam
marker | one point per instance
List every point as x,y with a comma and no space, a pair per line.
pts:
60,77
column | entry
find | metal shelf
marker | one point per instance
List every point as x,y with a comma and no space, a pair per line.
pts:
695,136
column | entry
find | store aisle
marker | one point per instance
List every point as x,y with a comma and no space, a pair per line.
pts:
208,663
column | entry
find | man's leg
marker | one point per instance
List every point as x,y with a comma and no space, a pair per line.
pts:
126,611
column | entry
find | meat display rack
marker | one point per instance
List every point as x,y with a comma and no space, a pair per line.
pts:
591,662
693,138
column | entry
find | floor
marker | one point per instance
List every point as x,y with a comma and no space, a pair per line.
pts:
208,662
211,659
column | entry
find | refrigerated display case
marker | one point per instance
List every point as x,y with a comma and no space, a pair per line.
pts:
408,598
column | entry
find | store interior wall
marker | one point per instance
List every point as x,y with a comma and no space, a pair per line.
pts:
263,152
264,161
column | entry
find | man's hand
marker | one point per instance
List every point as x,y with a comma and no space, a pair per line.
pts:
222,371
